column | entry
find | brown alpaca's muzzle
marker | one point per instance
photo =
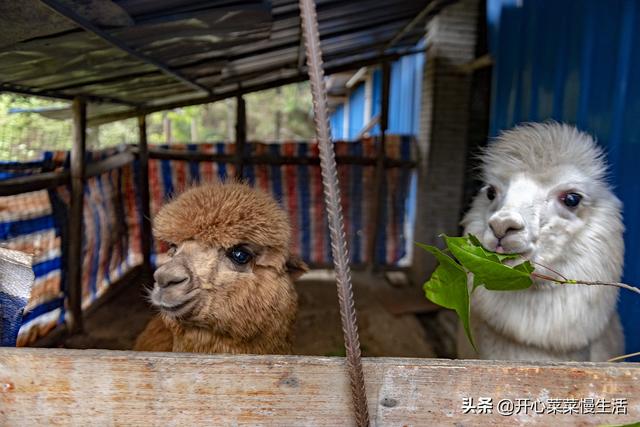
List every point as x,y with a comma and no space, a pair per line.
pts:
173,292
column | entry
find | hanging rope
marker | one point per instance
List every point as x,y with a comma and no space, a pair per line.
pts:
334,210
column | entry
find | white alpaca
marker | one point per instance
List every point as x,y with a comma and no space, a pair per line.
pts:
546,198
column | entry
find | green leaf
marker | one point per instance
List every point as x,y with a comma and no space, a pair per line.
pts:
448,287
487,266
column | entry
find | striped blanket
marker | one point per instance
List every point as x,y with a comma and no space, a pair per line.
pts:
36,222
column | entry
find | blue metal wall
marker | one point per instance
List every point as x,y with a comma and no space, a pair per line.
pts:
577,61
356,112
336,121
404,101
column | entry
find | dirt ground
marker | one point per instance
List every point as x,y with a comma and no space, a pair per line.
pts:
393,320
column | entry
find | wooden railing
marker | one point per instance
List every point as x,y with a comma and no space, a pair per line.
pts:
101,387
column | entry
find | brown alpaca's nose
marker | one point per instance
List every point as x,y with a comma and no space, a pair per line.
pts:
503,223
171,274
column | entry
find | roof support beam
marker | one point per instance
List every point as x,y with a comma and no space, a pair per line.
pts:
431,9
24,90
106,118
113,41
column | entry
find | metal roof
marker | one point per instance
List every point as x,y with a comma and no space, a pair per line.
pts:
132,56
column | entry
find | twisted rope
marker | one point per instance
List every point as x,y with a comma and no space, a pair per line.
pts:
334,211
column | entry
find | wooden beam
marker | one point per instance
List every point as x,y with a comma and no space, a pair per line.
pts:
110,163
75,227
479,63
45,93
45,180
241,135
192,156
356,77
367,128
376,225
432,8
25,184
244,89
145,198
102,387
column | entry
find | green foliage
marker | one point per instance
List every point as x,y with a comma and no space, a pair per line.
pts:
276,114
448,285
19,131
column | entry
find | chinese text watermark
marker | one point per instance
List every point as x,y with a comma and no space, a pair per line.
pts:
527,406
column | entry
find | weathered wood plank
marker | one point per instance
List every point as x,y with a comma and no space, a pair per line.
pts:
110,163
100,387
26,184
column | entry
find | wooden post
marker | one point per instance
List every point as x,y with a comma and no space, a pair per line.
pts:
76,217
143,184
241,134
376,225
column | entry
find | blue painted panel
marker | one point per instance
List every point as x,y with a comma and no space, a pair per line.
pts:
575,61
376,99
404,101
356,112
336,122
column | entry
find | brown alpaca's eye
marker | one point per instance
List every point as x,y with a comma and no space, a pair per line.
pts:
491,192
172,250
239,255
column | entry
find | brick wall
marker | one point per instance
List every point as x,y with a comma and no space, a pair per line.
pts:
446,96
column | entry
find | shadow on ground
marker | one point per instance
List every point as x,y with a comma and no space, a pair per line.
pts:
386,320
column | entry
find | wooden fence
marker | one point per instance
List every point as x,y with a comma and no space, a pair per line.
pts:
101,387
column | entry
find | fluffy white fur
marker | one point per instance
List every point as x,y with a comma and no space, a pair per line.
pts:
531,167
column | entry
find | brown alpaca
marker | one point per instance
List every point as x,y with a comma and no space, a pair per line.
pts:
228,285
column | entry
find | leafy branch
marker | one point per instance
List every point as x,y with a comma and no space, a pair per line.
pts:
449,283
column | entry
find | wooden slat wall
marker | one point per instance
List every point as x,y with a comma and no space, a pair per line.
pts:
100,387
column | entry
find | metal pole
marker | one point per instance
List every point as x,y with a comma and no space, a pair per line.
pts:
75,258
143,185
334,211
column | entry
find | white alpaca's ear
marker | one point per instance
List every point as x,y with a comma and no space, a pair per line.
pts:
296,267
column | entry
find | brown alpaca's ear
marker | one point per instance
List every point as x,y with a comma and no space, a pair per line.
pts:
296,267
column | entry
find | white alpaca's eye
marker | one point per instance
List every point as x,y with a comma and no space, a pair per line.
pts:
239,255
491,192
571,200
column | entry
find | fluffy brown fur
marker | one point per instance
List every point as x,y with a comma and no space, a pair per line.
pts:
208,302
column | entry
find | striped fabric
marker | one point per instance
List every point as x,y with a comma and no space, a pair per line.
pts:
298,188
36,223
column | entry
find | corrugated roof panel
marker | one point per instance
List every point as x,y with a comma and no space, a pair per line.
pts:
214,44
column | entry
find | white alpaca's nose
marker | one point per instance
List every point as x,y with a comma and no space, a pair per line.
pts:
505,222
